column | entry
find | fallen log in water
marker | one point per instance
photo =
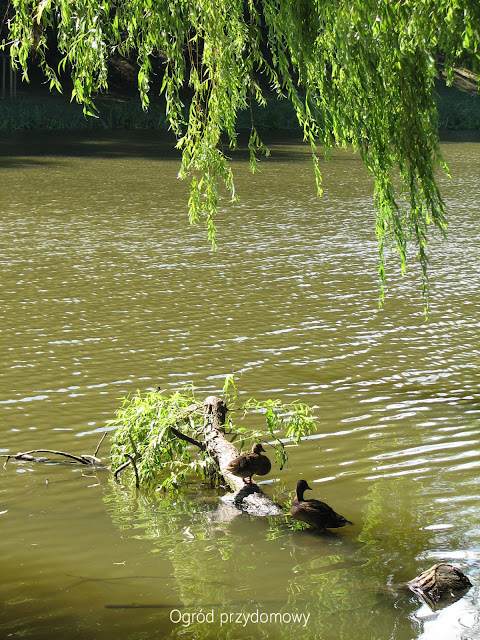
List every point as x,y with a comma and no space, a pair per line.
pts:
158,432
247,497
210,438
440,586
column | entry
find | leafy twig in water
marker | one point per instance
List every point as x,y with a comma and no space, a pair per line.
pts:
99,444
132,460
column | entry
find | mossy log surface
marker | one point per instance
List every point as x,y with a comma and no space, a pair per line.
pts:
440,585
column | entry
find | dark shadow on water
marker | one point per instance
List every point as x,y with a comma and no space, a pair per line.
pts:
26,145
25,163
26,149
460,136
305,538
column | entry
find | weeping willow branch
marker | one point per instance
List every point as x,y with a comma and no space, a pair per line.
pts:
359,73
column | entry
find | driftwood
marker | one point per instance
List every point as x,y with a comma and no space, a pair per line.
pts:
440,586
83,458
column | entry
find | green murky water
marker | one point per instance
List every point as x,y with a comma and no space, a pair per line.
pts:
105,289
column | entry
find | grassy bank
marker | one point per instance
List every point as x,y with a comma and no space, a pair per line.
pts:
49,112
458,110
55,113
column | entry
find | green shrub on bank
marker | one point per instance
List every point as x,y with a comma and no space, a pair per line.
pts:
26,113
457,111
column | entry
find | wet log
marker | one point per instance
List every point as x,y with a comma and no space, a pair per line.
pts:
248,498
440,586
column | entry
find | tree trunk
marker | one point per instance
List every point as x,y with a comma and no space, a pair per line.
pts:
246,497
440,586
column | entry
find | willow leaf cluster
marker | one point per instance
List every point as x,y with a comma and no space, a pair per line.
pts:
143,431
149,428
358,72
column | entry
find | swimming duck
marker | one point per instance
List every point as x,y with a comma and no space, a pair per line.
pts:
247,464
315,513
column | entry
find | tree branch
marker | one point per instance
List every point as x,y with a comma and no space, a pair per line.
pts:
27,455
132,460
121,468
182,436
98,445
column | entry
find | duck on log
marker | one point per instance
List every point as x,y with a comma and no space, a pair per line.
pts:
248,497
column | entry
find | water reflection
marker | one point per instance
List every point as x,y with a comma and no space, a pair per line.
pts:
221,566
459,621
106,290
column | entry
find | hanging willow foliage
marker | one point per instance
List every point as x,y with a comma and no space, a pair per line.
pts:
357,72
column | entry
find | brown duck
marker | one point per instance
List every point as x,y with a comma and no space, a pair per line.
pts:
247,464
315,513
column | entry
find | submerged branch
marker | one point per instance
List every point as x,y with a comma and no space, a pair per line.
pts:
27,455
83,458
121,468
132,460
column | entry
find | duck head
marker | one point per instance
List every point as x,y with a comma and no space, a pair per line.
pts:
257,448
302,486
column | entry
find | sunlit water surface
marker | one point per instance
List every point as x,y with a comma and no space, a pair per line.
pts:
105,289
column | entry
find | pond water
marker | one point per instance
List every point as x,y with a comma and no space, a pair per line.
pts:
106,290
